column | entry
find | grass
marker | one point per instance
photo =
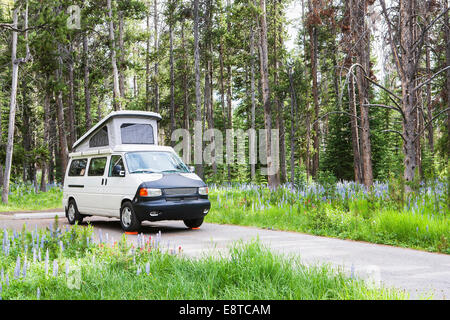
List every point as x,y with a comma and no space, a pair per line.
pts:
119,271
23,197
422,223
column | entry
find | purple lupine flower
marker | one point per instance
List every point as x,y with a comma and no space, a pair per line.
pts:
38,293
24,269
55,268
67,269
39,255
352,271
2,276
61,246
147,268
138,272
46,262
7,280
17,269
100,236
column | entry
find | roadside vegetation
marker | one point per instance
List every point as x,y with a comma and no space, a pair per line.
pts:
345,210
24,196
385,214
69,264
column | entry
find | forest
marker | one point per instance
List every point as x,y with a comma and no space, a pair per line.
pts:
358,90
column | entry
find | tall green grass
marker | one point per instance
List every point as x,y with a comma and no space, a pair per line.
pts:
422,223
25,197
247,271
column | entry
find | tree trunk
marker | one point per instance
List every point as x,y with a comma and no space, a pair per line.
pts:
293,125
272,180
45,165
198,137
156,44
362,46
147,66
172,76
315,93
253,96
64,153
447,59
116,91
185,81
71,104
87,90
12,111
122,67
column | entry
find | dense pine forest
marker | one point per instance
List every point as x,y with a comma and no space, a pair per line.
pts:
358,89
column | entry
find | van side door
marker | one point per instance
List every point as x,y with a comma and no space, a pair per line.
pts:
94,187
118,186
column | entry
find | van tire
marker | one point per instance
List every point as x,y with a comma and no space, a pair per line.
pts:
73,215
128,219
193,223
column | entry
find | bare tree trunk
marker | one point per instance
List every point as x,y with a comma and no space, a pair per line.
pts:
272,180
313,52
293,125
156,40
447,59
12,103
428,90
172,76
64,153
122,67
185,81
45,166
198,143
116,90
71,106
87,90
147,66
362,45
252,92
278,41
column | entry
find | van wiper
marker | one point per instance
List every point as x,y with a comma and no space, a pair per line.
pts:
171,170
143,171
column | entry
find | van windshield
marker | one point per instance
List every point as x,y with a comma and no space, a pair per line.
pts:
154,162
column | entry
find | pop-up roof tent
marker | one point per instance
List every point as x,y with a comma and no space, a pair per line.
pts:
120,128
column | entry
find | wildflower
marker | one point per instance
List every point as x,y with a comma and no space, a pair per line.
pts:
38,293
138,272
147,268
67,269
55,268
46,263
352,271
17,269
24,269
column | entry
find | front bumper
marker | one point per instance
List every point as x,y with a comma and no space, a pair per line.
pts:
162,209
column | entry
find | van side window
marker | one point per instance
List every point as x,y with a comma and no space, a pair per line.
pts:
97,166
115,166
100,139
77,167
136,133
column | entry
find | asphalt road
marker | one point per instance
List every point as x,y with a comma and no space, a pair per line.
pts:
417,272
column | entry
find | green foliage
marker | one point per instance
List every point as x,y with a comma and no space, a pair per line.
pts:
248,271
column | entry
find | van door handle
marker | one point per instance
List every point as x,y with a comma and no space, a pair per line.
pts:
102,181
106,181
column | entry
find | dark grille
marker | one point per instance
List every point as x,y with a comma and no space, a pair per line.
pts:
179,191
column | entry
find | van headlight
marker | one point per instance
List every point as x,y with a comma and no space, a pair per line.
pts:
203,191
148,192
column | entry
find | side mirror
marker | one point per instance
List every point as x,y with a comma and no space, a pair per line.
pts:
191,168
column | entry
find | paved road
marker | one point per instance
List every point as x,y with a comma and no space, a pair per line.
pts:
415,271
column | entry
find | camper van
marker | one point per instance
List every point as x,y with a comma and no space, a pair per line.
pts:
117,169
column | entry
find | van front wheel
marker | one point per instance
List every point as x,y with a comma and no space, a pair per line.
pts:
72,213
193,223
128,219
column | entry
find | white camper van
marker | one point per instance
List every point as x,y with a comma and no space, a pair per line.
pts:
117,169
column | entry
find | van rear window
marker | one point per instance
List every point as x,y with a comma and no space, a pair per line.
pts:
100,139
77,167
97,166
136,133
